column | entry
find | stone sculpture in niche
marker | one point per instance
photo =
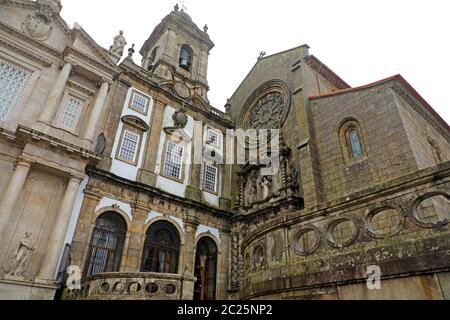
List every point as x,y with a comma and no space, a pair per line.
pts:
266,184
119,44
21,256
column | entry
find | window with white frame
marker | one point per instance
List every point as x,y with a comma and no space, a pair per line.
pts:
213,138
13,81
129,146
139,102
174,159
71,112
210,178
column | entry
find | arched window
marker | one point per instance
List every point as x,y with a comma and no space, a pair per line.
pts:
205,269
354,143
352,140
161,249
106,246
186,57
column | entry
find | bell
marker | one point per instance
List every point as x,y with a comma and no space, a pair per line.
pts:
184,63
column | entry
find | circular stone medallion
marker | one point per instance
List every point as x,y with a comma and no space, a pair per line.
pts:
181,90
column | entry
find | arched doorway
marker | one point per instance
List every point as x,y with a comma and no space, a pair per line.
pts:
106,246
161,249
205,269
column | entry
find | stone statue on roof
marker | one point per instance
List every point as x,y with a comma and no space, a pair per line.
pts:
118,45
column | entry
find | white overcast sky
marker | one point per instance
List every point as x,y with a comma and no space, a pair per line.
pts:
362,41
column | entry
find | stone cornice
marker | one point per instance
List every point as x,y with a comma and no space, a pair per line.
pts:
430,255
157,192
419,108
35,5
131,69
326,72
55,142
77,53
40,60
28,39
183,23
81,88
87,39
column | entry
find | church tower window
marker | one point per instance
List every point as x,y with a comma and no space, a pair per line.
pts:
186,57
152,58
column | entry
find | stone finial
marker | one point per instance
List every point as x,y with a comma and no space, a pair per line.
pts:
55,4
131,51
176,8
228,106
205,28
118,45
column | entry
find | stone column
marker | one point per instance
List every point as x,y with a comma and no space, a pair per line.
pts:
223,266
11,194
96,113
56,240
193,190
137,239
51,102
189,261
191,229
147,174
85,226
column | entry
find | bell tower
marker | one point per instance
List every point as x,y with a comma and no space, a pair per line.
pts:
178,51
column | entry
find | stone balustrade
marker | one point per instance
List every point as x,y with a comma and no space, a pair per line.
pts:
130,286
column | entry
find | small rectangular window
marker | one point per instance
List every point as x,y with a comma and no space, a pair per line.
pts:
139,102
213,138
13,81
210,180
174,159
71,113
129,146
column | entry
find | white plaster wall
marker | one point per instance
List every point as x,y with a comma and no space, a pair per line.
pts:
120,168
168,185
204,229
153,214
208,197
106,202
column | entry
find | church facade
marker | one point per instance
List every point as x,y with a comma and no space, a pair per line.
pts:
125,174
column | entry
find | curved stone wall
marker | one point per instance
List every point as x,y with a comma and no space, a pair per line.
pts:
316,254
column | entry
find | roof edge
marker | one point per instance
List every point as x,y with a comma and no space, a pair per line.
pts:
399,78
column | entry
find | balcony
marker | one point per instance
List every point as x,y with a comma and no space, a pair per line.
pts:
134,286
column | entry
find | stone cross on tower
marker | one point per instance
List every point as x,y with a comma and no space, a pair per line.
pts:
183,5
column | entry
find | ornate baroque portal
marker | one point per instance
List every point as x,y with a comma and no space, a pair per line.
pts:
267,108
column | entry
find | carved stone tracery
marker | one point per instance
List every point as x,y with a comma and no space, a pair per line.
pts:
268,113
267,107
